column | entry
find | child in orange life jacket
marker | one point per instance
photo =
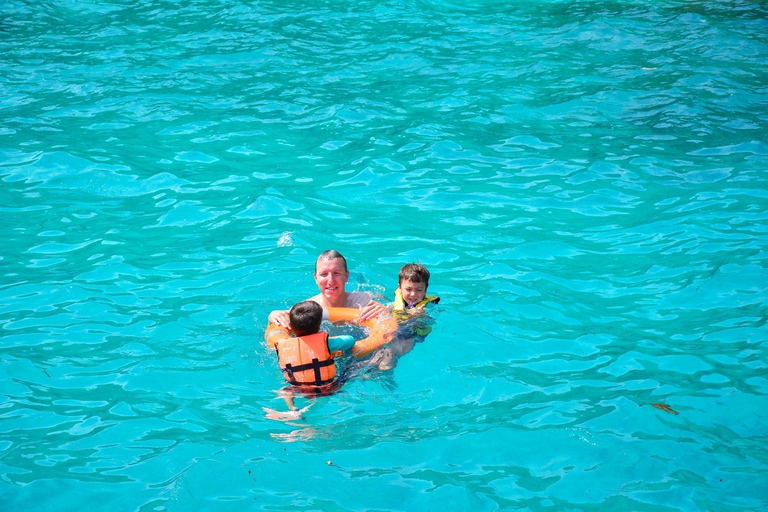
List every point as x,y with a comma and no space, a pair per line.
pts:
411,300
306,358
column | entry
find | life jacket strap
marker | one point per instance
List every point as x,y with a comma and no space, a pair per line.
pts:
315,365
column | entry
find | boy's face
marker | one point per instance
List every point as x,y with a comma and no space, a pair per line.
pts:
412,292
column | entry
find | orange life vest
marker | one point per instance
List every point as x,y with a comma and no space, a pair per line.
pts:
306,360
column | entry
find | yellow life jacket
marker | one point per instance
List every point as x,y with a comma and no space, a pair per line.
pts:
400,304
306,360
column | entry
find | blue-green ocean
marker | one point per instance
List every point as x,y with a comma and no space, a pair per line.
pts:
587,182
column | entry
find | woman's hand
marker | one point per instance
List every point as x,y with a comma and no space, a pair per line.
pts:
372,310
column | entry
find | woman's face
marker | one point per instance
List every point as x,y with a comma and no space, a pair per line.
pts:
331,276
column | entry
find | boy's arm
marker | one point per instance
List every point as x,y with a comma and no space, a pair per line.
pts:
340,343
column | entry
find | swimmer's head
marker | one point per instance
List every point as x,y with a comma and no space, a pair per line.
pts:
306,318
413,282
415,273
331,255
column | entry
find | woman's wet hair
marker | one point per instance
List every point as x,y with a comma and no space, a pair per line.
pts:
306,318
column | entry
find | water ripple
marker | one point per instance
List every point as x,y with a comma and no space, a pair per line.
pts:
585,182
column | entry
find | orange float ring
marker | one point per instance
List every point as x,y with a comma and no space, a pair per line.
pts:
275,333
381,330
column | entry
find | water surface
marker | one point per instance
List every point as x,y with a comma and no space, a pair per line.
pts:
585,181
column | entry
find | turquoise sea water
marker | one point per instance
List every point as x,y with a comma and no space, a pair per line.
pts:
586,182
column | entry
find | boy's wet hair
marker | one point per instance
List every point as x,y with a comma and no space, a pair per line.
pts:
415,273
332,255
306,318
